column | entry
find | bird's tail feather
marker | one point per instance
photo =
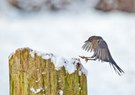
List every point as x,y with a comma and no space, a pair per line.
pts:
117,69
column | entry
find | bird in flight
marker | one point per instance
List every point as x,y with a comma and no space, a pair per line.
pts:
101,52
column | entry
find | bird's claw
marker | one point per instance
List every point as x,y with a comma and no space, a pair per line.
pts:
83,57
86,60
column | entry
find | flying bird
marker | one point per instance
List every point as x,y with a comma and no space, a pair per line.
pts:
101,52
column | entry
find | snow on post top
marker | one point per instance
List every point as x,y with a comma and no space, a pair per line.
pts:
69,64
59,62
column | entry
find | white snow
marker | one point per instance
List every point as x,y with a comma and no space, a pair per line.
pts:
59,62
63,34
45,56
10,55
60,92
32,53
36,91
80,73
68,64
37,80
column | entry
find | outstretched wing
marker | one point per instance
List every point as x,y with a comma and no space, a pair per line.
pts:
87,46
100,49
101,52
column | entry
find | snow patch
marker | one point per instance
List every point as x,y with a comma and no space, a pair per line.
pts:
10,55
82,71
60,92
36,91
32,53
43,55
37,80
59,62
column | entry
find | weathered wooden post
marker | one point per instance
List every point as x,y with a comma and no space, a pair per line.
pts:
34,73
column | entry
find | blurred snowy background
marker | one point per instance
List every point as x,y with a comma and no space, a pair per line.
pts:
63,33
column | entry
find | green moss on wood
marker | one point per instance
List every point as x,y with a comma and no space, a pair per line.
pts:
26,72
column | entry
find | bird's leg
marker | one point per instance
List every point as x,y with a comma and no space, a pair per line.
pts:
92,56
87,58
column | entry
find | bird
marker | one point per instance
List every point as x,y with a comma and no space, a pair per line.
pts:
100,52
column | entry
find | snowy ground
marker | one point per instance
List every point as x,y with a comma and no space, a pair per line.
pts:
63,34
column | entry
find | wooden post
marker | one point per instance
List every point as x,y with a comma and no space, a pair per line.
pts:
31,74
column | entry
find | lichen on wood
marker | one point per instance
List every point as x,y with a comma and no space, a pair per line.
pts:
30,74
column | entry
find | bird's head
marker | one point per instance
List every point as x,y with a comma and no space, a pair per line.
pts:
90,39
